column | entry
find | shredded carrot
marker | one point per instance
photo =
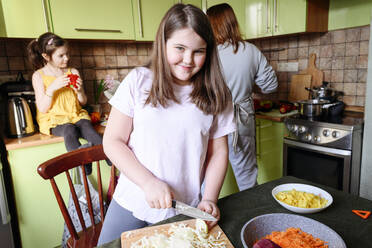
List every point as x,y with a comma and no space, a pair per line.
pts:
296,238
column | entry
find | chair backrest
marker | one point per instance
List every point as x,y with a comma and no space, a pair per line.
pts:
88,237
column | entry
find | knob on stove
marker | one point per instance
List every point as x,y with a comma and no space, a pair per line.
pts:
301,129
326,132
335,134
316,138
308,137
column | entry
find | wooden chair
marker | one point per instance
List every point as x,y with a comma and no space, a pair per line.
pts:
88,237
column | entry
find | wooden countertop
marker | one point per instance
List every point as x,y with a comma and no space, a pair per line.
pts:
38,139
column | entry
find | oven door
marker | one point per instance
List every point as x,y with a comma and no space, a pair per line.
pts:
318,164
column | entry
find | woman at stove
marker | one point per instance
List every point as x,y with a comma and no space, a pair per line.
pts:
243,66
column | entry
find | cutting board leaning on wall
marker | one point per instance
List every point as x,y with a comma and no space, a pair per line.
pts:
317,75
297,91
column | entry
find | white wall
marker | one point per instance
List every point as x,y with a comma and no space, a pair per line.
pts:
366,169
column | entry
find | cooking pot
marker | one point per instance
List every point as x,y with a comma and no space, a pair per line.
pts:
312,108
20,122
323,92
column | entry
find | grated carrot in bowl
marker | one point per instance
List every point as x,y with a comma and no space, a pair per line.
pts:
295,238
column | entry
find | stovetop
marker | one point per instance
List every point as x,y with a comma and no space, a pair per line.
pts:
335,132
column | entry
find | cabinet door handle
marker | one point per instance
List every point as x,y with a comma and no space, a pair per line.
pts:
275,16
140,17
45,15
98,30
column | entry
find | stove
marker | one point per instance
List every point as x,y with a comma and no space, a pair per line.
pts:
325,151
334,132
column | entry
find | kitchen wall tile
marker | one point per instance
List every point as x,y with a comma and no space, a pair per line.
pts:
110,49
16,63
314,39
282,88
327,75
337,86
303,41
361,89
350,89
337,76
303,52
350,76
142,49
274,56
121,49
267,55
362,61
283,43
338,36
325,63
4,64
122,74
353,34
302,64
100,61
14,48
73,49
112,72
338,50
350,62
28,65
87,61
86,49
265,44
111,61
363,48
314,49
2,48
325,39
98,49
100,74
364,32
274,64
338,63
326,51
75,62
349,100
122,60
274,43
293,42
360,101
362,75
88,74
131,49
352,48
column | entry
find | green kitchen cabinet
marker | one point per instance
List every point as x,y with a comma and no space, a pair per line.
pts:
40,219
348,14
147,15
22,19
197,3
92,19
237,6
279,17
269,149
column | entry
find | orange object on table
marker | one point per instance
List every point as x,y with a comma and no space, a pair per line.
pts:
362,213
95,117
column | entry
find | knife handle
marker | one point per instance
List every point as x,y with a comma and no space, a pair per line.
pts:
174,203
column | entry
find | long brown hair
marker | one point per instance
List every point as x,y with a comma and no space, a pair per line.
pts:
210,93
46,43
225,25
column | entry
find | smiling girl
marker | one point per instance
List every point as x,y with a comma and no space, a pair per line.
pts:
168,126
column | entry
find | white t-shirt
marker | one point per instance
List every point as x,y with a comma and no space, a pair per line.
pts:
171,142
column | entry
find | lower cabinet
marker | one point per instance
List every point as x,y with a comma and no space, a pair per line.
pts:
40,220
269,149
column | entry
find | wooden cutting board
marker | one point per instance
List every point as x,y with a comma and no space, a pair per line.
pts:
297,89
129,237
317,75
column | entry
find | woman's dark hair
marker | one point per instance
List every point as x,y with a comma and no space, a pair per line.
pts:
225,25
210,93
46,43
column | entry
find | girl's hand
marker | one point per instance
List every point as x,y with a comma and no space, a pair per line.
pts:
211,208
79,85
158,194
58,83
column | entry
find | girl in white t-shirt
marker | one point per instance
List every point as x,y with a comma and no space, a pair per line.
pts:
167,130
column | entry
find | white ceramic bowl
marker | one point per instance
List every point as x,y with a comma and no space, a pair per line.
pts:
305,188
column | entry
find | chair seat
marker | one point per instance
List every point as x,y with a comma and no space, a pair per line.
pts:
87,239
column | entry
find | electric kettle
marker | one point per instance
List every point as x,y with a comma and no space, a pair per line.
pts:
20,122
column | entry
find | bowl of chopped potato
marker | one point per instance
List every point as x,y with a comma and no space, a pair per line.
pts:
302,198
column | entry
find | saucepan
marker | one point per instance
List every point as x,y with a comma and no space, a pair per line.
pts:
315,107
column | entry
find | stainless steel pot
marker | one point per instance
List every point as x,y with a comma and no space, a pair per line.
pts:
312,108
20,122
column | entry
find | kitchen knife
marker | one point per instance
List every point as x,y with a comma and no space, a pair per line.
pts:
185,209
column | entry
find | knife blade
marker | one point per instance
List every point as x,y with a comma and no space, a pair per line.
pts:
187,210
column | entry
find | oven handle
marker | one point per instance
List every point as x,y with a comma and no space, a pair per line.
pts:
318,148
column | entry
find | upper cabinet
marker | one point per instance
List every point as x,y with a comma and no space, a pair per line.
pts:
147,15
278,17
238,7
92,19
22,19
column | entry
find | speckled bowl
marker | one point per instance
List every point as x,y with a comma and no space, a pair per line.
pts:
263,225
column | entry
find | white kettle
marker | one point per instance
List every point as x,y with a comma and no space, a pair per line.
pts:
20,122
